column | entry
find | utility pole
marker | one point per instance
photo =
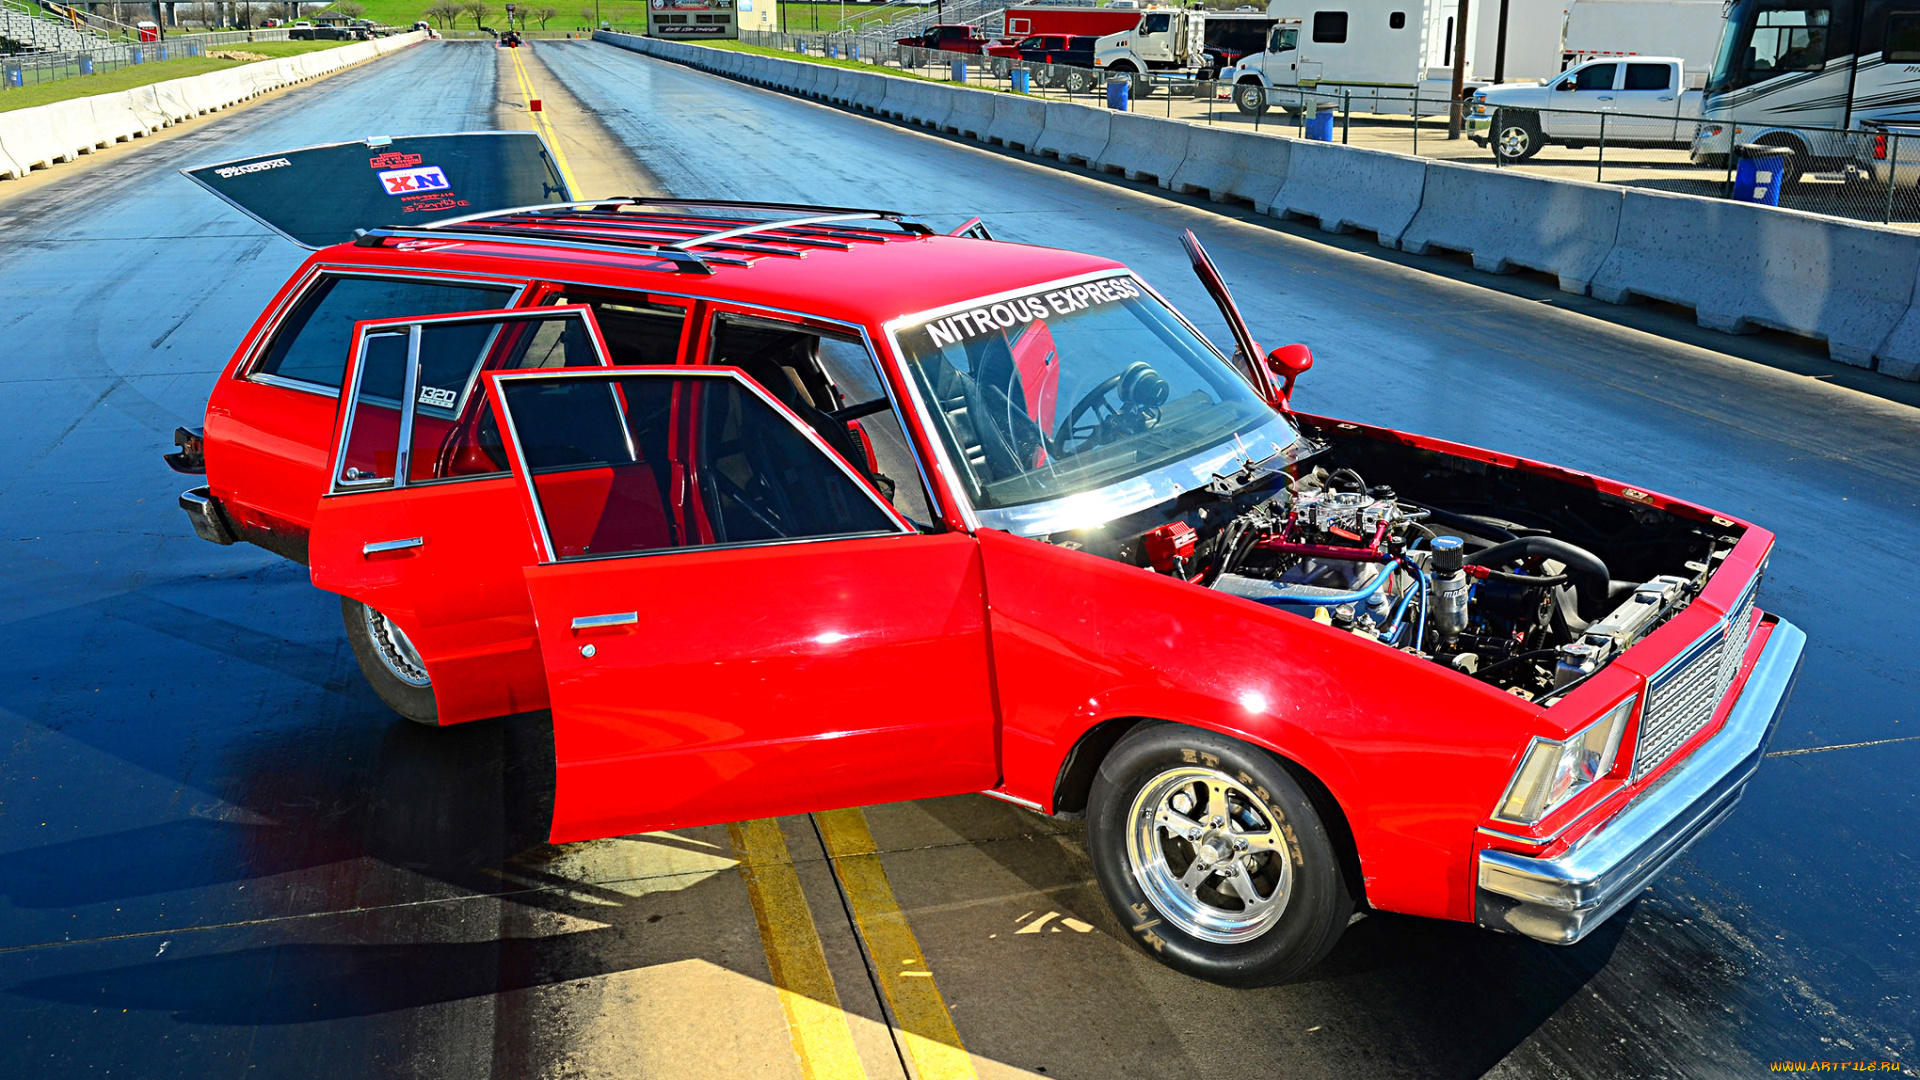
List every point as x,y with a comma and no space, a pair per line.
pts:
1455,113
1500,50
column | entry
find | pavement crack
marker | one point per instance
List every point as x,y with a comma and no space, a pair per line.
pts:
1844,746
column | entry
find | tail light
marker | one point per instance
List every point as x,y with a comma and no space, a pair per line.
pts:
1880,146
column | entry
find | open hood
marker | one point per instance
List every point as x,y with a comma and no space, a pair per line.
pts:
319,195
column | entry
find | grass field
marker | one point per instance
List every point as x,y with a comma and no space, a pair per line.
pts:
127,78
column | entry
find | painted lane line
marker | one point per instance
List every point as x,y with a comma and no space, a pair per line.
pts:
1034,926
543,125
925,1026
822,1040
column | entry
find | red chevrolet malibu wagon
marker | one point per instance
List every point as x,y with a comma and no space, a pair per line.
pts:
780,509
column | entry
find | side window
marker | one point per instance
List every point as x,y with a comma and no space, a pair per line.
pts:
625,465
1903,38
1397,20
1330,27
833,384
1649,77
1156,24
445,423
1595,77
1284,40
638,330
311,345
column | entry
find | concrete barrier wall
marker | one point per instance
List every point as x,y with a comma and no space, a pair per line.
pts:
46,135
1510,221
1854,286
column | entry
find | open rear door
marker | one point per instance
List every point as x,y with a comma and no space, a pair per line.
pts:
423,521
319,195
734,624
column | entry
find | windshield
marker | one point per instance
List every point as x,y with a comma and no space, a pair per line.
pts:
1066,390
1765,38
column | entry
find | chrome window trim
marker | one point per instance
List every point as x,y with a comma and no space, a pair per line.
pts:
908,421
1046,516
413,326
687,371
339,483
247,369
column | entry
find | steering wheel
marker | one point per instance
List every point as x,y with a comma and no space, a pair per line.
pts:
1124,404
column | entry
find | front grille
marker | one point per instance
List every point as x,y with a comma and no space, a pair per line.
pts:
1682,697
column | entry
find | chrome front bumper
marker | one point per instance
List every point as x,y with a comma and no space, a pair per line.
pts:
1559,900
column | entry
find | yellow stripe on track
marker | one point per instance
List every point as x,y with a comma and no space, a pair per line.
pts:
541,124
821,1038
926,1027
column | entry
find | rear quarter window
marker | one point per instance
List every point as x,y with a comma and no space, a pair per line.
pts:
311,346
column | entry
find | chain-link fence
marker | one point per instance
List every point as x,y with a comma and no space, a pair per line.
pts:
1827,171
20,70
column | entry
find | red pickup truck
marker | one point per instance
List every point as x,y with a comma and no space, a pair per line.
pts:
960,38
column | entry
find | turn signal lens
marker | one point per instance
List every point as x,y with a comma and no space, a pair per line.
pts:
1554,771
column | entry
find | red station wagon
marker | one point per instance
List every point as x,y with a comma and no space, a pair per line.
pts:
781,509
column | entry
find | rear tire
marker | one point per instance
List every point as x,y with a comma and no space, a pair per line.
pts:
390,662
1796,166
1076,81
1214,858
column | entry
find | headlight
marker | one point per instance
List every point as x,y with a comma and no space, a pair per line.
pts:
1554,771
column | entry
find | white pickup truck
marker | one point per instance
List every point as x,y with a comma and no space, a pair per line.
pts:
1632,100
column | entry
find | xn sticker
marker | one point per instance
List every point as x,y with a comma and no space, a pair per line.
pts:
408,181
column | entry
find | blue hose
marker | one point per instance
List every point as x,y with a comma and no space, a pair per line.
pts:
1357,596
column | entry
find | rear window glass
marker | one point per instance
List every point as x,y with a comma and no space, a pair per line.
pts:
1649,77
312,345
1903,39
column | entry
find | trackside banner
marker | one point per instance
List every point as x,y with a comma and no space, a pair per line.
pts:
319,195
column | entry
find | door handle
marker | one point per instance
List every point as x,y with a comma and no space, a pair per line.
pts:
381,547
598,622
1606,97
1668,97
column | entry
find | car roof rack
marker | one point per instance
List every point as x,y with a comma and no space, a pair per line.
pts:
693,234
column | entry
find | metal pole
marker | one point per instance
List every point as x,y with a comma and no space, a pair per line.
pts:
1893,171
1500,49
1600,163
1346,115
1455,115
1416,123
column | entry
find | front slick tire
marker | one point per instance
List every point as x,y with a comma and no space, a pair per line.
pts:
391,664
1214,858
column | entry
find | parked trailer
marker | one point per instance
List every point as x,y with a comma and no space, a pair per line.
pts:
1378,54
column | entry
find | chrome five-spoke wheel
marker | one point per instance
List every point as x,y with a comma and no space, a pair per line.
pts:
1209,854
395,651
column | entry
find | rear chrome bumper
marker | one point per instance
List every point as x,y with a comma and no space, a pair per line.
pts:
1559,900
209,520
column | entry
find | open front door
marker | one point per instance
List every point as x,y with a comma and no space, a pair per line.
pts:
423,522
733,623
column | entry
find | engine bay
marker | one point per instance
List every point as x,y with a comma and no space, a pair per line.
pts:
1522,579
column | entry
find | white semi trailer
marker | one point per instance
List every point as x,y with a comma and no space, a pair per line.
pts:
1378,54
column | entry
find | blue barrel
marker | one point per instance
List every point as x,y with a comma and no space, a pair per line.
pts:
14,77
833,51
959,71
86,65
1119,93
1320,125
1018,79
1758,173
139,55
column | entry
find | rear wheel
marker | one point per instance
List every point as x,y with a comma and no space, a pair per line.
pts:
390,662
1250,98
1214,857
1077,80
1793,168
